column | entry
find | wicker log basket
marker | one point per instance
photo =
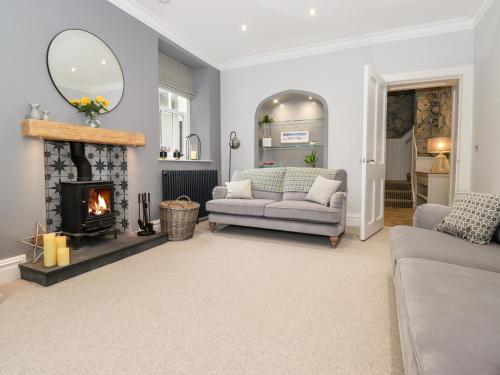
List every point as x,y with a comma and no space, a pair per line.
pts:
178,218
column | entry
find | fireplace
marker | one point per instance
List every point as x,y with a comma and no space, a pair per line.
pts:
87,206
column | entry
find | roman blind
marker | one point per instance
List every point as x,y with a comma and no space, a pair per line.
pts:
175,75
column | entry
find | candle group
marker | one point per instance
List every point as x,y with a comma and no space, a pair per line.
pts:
55,250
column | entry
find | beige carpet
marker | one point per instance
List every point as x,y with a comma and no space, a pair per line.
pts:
240,301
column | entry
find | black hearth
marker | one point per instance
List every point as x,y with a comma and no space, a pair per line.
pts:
87,207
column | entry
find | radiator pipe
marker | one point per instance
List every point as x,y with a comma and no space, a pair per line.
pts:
83,167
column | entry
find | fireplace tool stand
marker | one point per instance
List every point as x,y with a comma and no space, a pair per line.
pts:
144,201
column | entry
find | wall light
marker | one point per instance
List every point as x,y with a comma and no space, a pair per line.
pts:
243,27
312,11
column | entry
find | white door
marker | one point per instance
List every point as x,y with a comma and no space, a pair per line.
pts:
373,155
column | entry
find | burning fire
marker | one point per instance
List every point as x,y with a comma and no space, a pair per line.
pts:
97,203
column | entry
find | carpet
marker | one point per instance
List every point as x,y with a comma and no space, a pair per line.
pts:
238,301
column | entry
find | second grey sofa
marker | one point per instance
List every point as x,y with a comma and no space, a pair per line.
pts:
448,301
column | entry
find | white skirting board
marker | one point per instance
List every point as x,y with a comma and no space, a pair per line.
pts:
9,270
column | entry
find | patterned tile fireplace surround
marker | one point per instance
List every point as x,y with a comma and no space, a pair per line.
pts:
109,162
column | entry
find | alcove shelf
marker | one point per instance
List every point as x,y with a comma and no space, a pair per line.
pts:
61,131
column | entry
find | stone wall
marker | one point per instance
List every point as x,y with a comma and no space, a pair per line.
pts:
400,113
433,116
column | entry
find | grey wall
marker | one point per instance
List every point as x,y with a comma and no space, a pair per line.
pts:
486,109
27,27
338,78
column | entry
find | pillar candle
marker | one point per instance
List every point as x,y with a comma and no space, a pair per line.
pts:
62,256
49,250
60,242
194,155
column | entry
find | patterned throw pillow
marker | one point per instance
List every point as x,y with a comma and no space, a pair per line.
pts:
301,179
473,217
266,179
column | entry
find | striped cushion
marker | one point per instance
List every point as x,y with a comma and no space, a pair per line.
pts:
301,179
266,179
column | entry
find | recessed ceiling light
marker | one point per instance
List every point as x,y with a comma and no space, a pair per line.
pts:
312,11
164,1
275,101
243,27
103,62
73,69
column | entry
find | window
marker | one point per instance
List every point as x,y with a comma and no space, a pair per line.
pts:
174,120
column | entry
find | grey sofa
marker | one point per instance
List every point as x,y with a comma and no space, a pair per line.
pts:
448,298
288,211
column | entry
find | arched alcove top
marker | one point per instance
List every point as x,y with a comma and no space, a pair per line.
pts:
290,125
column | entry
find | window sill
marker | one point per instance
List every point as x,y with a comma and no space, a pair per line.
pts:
185,161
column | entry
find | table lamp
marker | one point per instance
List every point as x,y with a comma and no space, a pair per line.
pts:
439,146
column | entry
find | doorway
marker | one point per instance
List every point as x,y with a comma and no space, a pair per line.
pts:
420,126
429,184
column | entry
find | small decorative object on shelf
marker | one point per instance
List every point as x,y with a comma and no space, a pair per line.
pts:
311,159
164,150
45,115
177,154
299,136
193,147
92,109
144,200
267,119
33,112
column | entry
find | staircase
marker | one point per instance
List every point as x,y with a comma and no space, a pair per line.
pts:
398,194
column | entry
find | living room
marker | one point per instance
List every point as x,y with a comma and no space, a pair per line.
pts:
269,118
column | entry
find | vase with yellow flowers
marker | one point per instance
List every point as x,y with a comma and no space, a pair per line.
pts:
92,109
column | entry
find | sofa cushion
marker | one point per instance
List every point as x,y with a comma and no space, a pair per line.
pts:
411,242
451,316
473,217
261,194
239,189
294,196
322,189
247,207
303,211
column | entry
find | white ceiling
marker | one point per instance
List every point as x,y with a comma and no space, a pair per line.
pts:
212,31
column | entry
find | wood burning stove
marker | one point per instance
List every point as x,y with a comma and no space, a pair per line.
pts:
87,207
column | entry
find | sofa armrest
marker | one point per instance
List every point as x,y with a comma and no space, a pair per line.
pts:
338,199
428,216
219,192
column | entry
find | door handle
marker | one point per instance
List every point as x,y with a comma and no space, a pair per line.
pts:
371,161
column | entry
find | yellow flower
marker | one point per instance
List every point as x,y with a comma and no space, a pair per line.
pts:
100,99
74,101
85,100
106,103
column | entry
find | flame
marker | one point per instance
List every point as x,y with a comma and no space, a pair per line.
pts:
97,205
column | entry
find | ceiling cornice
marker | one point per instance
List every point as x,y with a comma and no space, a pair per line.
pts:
418,31
481,11
138,11
354,42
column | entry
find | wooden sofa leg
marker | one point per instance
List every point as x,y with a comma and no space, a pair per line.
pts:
212,226
334,241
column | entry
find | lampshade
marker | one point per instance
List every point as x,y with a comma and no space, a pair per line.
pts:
438,145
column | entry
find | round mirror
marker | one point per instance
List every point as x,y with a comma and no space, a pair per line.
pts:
80,64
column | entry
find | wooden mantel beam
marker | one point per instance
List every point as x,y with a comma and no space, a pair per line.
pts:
60,131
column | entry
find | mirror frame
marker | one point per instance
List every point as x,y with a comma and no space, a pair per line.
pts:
103,42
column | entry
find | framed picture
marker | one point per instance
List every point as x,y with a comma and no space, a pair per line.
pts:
299,136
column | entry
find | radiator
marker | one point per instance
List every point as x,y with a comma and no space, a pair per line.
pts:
197,185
